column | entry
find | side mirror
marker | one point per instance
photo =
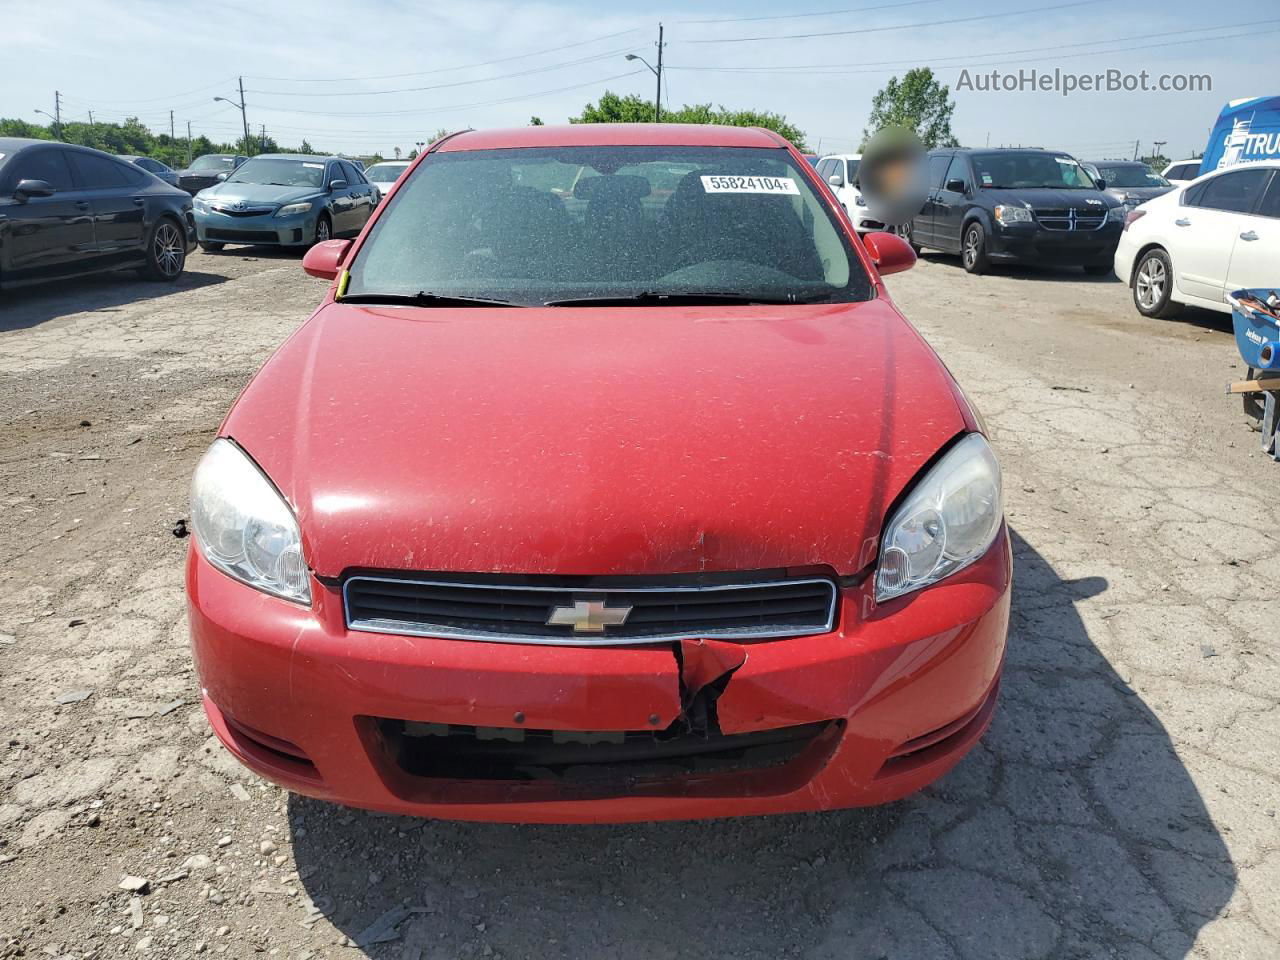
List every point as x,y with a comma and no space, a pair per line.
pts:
324,259
337,184
955,186
889,252
26,189
220,177
1102,184
836,180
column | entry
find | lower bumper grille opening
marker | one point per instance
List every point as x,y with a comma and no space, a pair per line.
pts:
241,236
453,752
272,751
925,749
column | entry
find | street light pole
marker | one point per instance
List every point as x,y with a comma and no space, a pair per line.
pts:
656,71
244,116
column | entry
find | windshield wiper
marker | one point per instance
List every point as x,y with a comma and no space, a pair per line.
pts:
425,298
673,299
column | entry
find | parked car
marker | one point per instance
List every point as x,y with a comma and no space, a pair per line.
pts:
1181,172
840,171
384,175
286,200
207,170
1132,182
161,170
67,210
1028,206
1201,242
476,543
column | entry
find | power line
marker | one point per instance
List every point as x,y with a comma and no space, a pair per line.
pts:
469,66
455,83
167,98
817,13
906,26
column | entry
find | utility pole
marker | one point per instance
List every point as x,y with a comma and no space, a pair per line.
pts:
1155,148
262,139
244,117
171,133
91,118
1135,148
188,143
657,104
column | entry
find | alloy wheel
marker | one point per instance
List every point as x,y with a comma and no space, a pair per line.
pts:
322,230
1150,282
168,250
971,248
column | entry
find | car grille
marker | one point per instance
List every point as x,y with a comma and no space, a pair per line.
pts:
242,236
247,212
1060,219
589,611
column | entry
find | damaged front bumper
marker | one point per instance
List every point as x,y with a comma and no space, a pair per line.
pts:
877,708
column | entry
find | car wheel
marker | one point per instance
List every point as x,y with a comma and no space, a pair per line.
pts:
904,231
324,229
166,251
973,249
1097,269
1153,285
211,246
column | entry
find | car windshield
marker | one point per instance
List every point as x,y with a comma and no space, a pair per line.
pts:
631,224
1132,176
282,173
385,172
213,163
1022,171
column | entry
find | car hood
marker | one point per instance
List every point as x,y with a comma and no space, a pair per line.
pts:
1048,199
257,193
596,441
1137,193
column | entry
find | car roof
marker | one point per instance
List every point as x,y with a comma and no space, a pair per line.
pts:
311,157
1118,163
613,135
839,156
384,163
14,144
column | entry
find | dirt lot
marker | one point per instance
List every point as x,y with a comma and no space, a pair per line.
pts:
1124,803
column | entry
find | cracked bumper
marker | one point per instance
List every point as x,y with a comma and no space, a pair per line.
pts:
907,688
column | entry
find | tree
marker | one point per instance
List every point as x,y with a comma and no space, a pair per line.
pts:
917,102
535,122
1156,161
306,148
612,108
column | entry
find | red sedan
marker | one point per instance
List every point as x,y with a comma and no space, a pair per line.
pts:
607,483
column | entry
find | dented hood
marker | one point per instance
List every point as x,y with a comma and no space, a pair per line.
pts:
629,440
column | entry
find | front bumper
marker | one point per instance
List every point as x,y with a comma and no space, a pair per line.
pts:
297,230
1031,243
901,692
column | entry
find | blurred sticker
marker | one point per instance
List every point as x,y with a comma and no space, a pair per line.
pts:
986,180
782,185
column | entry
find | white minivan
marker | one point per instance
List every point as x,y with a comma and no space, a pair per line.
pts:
1194,245
840,171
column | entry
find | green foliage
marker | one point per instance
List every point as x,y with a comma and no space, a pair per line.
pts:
535,122
917,102
632,108
1156,161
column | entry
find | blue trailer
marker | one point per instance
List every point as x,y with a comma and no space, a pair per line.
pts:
1247,130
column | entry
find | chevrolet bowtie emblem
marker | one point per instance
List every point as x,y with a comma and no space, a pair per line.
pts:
588,616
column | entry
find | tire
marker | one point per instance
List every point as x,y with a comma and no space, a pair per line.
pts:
1097,269
1253,408
904,231
973,248
1153,285
166,251
211,246
324,229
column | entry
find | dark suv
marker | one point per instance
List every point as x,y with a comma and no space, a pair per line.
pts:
1032,206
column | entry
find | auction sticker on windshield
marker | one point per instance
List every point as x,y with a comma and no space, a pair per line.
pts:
750,185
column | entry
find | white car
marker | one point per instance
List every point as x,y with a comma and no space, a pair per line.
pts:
840,171
1181,171
383,175
1194,245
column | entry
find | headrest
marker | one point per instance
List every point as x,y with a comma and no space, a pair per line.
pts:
611,187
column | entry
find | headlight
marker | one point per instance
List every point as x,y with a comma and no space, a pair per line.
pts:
1010,214
200,205
858,201
243,526
947,522
1116,214
288,210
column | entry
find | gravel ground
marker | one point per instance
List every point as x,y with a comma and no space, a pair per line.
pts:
1123,804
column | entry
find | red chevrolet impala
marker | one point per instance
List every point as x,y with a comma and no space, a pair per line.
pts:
607,483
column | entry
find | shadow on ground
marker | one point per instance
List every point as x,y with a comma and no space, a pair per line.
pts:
1022,271
1072,831
104,293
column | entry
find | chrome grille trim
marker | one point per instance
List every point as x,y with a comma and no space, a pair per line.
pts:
614,594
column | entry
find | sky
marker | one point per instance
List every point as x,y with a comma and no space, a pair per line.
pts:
364,76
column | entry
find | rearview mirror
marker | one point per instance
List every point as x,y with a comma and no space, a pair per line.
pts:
324,259
1102,184
337,184
836,180
32,188
220,177
955,186
889,252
